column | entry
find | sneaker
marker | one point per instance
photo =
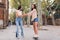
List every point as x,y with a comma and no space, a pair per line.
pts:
22,38
17,36
35,36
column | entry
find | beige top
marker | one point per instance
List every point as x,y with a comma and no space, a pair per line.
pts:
18,13
33,13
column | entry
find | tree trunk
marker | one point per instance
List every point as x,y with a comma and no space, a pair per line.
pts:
53,21
39,14
45,20
28,18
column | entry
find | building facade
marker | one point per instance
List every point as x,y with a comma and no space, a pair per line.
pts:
4,6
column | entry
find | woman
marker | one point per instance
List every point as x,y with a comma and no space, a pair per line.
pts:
34,19
19,22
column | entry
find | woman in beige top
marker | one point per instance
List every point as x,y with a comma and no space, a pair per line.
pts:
34,19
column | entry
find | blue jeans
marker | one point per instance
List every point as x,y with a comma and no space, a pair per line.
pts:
19,25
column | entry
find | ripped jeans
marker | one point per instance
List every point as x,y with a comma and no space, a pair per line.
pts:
19,27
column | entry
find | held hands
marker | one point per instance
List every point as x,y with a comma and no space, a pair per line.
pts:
25,15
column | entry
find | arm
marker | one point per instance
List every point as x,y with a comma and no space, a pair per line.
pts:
28,14
24,15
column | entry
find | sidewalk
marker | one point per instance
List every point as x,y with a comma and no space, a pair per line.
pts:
52,33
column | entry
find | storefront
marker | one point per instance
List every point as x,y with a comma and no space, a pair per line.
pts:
3,13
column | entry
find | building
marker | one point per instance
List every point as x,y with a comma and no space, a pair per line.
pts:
4,5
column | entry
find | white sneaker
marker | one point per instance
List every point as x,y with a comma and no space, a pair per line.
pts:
36,36
22,38
18,37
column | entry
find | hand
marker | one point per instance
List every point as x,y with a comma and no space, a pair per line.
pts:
25,15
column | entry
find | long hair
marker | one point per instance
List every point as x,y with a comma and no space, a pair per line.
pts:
34,7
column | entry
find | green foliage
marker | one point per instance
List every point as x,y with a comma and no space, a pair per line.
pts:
16,3
12,17
48,3
44,5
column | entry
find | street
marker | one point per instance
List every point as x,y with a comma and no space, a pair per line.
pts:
46,33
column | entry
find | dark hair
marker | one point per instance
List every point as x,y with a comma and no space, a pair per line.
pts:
34,6
20,8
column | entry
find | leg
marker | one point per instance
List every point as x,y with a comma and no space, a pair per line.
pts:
17,28
35,27
21,27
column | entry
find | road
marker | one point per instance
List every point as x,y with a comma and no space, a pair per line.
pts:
46,33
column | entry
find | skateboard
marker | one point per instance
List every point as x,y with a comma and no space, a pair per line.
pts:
35,38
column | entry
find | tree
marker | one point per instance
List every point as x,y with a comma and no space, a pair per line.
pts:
39,13
55,6
44,10
46,4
